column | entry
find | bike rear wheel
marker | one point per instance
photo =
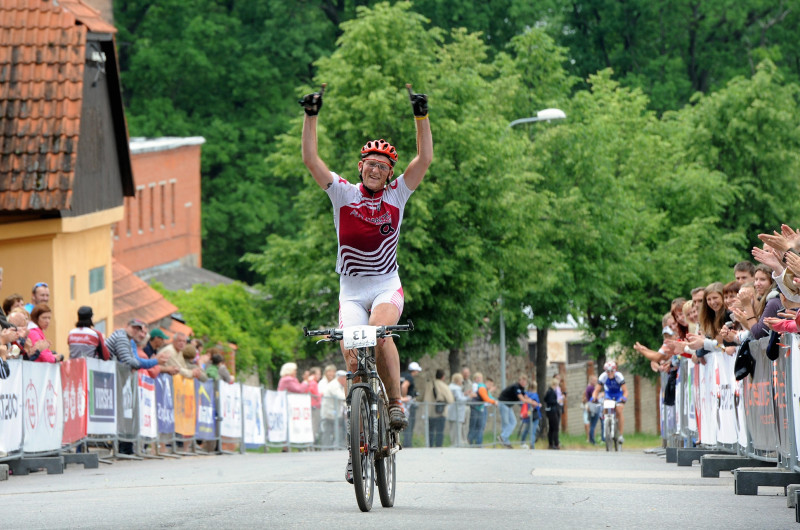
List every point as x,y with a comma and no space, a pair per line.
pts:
385,466
360,450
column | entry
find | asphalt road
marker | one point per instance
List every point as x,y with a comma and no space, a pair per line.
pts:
452,488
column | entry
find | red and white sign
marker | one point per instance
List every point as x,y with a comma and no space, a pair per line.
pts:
44,420
73,385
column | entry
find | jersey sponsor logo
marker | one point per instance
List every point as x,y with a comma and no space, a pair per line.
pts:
383,219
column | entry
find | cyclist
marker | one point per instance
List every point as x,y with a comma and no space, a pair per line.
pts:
367,218
613,384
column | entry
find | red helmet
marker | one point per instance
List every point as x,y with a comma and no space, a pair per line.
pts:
381,147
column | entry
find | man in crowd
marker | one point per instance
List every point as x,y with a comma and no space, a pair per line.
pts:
467,388
408,391
85,341
505,401
39,295
122,345
743,272
157,340
332,411
182,357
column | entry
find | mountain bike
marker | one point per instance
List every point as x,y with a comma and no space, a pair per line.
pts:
610,424
371,442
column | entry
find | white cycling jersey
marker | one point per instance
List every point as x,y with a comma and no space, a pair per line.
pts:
367,226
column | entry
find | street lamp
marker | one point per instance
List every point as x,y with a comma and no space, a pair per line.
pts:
542,115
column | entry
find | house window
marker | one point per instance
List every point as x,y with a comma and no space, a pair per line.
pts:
97,279
533,351
72,287
163,186
152,206
140,207
128,215
172,200
576,353
101,326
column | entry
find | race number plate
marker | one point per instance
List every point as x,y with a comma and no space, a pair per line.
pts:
609,404
359,337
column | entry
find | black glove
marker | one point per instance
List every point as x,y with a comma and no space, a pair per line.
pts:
312,103
419,102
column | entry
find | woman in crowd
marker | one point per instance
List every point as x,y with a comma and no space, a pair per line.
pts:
436,397
477,417
289,380
217,369
457,412
40,318
12,302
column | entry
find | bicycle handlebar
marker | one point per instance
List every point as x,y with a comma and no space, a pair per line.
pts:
336,333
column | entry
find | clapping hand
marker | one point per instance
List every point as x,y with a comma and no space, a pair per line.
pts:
770,258
695,342
776,241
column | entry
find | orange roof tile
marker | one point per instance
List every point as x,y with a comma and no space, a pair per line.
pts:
42,58
133,298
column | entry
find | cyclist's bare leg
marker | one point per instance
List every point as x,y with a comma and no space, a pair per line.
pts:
620,418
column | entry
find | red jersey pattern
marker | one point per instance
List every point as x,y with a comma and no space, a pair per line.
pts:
367,226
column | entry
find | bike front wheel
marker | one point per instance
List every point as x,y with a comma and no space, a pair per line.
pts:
608,433
360,451
385,466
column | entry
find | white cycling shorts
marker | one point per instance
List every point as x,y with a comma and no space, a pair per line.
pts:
359,295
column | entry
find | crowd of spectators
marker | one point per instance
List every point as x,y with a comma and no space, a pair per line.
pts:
22,335
724,316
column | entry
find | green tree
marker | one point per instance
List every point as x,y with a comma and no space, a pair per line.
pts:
615,173
231,314
472,217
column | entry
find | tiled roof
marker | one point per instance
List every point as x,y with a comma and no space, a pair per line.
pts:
42,57
133,298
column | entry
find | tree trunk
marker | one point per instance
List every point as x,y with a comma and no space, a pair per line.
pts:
541,360
454,360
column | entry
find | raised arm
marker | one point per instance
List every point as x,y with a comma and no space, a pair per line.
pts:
311,104
417,168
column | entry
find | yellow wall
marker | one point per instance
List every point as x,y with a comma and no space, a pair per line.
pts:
54,250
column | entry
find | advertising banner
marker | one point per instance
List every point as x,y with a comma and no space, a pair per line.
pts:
230,404
300,427
127,401
726,399
254,432
73,385
760,400
148,427
165,404
185,410
206,428
276,411
708,400
43,417
101,380
691,392
11,408
779,389
795,375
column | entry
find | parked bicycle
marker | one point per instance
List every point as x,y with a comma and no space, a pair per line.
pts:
371,442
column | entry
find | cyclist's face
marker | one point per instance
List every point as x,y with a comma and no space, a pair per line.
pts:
375,170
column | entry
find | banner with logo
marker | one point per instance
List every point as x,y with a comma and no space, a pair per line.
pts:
165,404
11,408
43,417
781,415
277,416
795,375
300,428
101,380
230,405
691,392
726,394
206,428
254,432
185,410
708,401
127,401
148,427
760,400
73,385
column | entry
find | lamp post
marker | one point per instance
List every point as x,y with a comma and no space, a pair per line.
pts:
542,115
